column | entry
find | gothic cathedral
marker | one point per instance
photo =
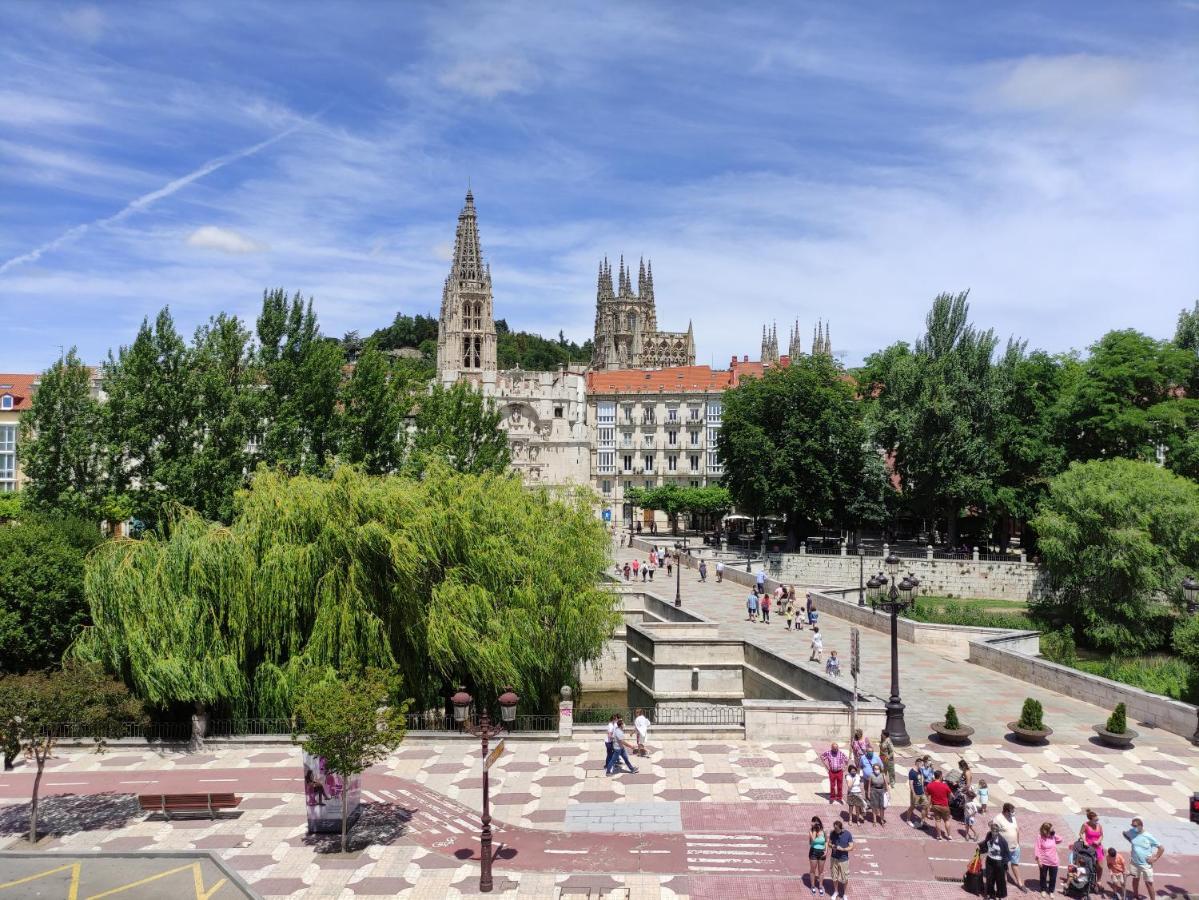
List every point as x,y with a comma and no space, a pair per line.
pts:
626,325
466,336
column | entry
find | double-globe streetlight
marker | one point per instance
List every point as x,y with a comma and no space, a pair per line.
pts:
679,549
902,596
485,730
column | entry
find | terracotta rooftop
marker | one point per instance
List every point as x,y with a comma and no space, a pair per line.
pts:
20,386
675,379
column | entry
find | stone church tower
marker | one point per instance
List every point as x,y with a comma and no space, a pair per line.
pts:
626,324
466,343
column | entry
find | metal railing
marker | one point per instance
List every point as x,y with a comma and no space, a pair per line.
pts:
669,715
439,722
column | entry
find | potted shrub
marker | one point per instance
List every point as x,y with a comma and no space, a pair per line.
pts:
1031,728
1116,732
952,731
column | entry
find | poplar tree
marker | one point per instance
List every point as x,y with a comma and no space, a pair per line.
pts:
460,427
374,402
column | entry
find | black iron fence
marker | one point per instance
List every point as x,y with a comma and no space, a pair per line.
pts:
663,715
439,721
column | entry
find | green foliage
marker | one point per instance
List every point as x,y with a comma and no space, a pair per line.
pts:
951,718
1113,534
1185,640
59,445
11,506
1116,722
791,443
374,402
1186,335
351,723
407,331
673,499
448,579
953,613
460,427
1059,647
35,708
938,409
1032,715
1156,674
535,353
41,589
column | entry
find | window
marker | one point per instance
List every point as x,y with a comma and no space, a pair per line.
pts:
648,417
8,458
606,461
714,462
6,401
557,412
626,439
647,440
626,462
627,413
714,410
605,413
694,460
693,413
607,436
672,414
607,486
672,462
695,438
628,485
649,483
694,483
672,438
648,460
713,434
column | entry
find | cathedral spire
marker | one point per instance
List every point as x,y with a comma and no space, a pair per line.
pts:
467,264
795,349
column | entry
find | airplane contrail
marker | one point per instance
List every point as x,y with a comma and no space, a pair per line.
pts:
145,200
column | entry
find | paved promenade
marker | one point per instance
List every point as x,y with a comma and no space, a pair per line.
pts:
984,699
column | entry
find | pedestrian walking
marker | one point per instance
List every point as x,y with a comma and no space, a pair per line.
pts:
969,815
917,798
1046,855
965,776
878,796
765,609
760,580
817,646
719,571
650,568
620,752
789,613
811,609
817,851
1091,834
751,605
703,570
886,749
1010,829
1145,852
626,571
842,843
938,798
855,795
835,761
641,726
608,742
644,571
636,566
859,745
997,853
1117,871
984,794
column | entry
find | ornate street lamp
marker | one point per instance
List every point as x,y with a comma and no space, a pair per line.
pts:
861,569
900,598
680,548
485,730
1190,591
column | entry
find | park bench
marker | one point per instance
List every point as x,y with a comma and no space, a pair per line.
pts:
169,805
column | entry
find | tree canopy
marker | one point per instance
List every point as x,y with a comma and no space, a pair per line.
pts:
1115,535
447,579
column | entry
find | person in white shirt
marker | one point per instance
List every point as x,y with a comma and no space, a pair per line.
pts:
719,571
641,726
619,753
817,645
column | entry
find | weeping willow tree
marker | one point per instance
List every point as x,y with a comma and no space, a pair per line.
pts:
450,579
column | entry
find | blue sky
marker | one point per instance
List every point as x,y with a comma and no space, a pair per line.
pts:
844,161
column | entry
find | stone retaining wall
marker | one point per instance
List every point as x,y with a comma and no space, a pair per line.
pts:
809,720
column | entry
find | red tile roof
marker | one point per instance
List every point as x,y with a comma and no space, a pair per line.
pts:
21,388
692,379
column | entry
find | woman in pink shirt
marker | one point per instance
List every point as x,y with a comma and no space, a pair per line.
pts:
1091,834
1045,853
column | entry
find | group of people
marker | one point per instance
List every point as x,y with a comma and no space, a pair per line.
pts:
659,557
617,744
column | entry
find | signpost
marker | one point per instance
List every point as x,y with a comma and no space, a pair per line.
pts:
855,666
496,752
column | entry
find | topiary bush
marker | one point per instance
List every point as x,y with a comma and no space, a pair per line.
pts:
1032,716
1116,722
951,718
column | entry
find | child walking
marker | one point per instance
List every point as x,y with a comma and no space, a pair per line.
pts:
817,645
969,814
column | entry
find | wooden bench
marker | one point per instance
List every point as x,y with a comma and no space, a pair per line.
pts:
169,805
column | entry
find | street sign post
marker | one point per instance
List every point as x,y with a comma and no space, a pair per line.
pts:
496,752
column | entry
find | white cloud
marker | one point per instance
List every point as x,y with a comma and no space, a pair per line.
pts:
226,240
86,22
20,107
488,78
1080,83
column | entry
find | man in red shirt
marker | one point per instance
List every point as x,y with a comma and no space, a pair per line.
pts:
938,796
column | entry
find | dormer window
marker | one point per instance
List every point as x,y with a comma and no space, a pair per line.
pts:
6,401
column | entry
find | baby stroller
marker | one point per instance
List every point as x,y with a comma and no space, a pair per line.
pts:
957,795
1082,875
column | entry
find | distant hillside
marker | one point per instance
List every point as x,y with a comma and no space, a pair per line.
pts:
514,348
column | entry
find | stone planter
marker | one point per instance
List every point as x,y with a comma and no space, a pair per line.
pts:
952,735
1120,741
1029,735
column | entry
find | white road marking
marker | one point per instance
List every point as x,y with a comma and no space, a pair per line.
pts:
149,781
286,779
216,779
63,783
567,851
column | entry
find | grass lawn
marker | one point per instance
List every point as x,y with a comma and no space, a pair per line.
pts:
979,612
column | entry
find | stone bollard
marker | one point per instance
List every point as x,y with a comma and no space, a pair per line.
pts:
566,714
803,548
928,552
1023,556
886,550
975,556
842,546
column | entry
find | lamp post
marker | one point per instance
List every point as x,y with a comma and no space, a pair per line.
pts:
899,598
861,571
1190,592
679,550
485,730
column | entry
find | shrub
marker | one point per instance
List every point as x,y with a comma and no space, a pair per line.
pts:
1032,716
1186,639
951,718
1157,675
1116,722
1058,646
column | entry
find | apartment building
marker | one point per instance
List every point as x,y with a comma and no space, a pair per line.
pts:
657,426
16,395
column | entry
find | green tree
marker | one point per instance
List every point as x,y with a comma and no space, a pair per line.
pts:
351,723
791,443
374,403
150,418
874,499
459,426
223,388
301,373
937,411
448,579
1114,534
41,589
60,444
1186,335
36,709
